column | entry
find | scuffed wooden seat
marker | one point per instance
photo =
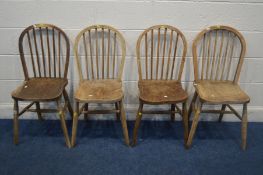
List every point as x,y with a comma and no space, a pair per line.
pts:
161,91
221,92
95,91
40,89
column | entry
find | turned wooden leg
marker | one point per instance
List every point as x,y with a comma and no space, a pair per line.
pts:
137,124
172,112
16,127
117,108
185,122
124,124
192,104
63,123
66,97
86,108
194,125
244,127
38,111
222,112
75,124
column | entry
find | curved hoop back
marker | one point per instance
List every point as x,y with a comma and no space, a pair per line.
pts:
44,51
100,53
218,54
161,52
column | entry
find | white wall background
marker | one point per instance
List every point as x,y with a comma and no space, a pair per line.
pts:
131,18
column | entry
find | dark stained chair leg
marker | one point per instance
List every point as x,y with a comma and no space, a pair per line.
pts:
75,124
194,125
185,122
137,124
86,107
191,107
117,108
66,97
172,112
38,111
222,113
16,126
244,127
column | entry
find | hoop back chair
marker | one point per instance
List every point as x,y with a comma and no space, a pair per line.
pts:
100,54
218,55
44,52
161,52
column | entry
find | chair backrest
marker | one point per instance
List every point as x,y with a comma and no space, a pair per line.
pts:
100,53
44,51
218,54
161,52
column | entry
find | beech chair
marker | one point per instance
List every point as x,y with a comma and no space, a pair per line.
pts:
100,52
218,55
161,52
44,52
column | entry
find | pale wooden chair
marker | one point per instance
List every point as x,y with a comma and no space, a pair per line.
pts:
44,52
100,52
161,52
218,55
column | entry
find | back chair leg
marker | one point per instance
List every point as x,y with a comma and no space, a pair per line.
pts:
137,124
63,122
222,112
172,112
38,111
185,122
194,125
66,97
191,107
244,127
16,126
86,108
124,124
117,108
75,124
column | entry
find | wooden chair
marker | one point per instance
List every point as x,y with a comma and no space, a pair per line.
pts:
218,55
161,52
44,52
100,54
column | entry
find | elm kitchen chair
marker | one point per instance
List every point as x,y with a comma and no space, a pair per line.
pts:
100,52
161,52
44,52
218,55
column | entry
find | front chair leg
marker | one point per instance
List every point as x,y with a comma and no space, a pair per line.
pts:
137,124
191,107
38,111
172,112
194,125
124,124
66,97
75,124
16,126
185,122
244,127
222,112
63,122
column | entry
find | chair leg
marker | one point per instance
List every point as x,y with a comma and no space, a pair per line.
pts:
16,126
38,111
185,122
66,97
244,127
124,124
63,123
194,125
172,112
137,124
117,114
191,107
222,113
75,124
86,108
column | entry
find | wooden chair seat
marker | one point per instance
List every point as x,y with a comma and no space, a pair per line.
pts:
161,91
40,89
97,91
221,92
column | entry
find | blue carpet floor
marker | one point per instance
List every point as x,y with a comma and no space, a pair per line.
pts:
100,149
